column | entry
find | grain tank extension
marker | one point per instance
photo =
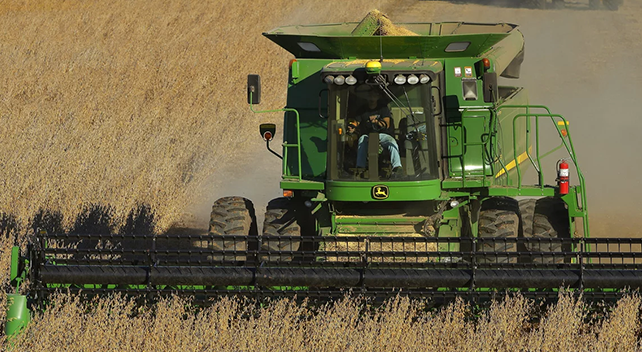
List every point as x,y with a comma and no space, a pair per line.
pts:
406,167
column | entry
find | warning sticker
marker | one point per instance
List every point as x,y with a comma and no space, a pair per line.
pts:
468,71
457,71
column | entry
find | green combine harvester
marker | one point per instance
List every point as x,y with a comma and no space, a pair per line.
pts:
404,172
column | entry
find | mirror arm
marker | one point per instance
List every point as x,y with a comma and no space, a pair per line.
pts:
272,151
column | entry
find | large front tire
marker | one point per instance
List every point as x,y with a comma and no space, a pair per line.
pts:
281,231
498,220
545,219
231,216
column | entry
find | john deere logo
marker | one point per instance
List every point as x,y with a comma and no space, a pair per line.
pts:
380,192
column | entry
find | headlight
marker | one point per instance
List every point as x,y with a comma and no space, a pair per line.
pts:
423,79
412,79
350,80
328,79
339,80
400,79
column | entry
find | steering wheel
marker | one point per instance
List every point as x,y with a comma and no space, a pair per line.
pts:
376,126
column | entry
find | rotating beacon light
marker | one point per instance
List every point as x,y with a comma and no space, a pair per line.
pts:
562,176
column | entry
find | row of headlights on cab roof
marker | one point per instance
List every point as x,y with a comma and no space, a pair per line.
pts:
399,79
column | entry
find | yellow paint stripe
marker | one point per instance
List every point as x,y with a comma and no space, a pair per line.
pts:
520,159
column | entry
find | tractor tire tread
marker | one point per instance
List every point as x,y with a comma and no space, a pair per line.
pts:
498,218
280,220
545,218
231,216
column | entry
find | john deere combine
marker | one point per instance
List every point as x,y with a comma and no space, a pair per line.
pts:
404,171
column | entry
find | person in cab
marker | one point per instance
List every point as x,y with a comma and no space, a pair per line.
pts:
376,118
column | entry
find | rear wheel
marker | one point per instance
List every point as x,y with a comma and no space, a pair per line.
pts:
545,219
231,216
498,220
281,231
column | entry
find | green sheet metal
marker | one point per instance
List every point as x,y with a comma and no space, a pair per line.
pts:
335,41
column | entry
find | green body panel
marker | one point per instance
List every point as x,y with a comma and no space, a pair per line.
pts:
15,262
466,122
335,41
505,52
18,315
303,185
398,191
304,79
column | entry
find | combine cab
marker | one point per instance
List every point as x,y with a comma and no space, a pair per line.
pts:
404,171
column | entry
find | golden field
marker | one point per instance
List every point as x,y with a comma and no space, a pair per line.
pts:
128,102
401,325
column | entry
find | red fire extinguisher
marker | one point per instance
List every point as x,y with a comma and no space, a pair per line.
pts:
562,176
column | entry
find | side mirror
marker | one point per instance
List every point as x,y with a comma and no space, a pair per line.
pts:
268,130
253,89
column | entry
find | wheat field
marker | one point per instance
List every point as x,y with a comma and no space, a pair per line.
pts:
348,325
125,103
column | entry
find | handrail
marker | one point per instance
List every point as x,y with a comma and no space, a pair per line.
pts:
567,142
285,144
568,145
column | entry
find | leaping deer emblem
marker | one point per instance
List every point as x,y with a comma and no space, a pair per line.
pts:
380,192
